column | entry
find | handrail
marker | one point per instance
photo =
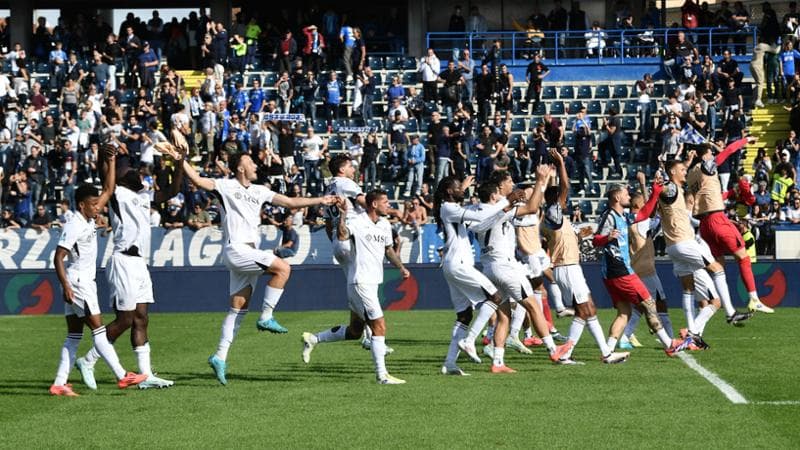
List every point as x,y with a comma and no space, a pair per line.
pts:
608,46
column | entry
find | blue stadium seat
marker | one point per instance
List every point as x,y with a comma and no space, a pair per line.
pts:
630,107
602,92
570,123
340,123
43,68
574,106
586,207
658,90
391,63
549,93
601,206
557,108
409,78
409,63
412,125
320,126
516,93
376,124
620,91
584,92
566,92
335,143
513,140
594,107
375,62
569,139
540,109
518,124
629,123
612,104
356,122
252,78
272,77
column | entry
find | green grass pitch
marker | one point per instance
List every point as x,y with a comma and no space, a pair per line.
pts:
273,400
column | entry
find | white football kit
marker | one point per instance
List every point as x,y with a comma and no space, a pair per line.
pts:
498,247
468,286
79,238
241,217
127,273
350,190
368,241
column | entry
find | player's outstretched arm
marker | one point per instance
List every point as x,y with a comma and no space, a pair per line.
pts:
650,207
303,202
177,180
206,184
395,260
342,233
563,178
543,172
109,175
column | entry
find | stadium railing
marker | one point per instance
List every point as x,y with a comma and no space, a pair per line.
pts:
619,46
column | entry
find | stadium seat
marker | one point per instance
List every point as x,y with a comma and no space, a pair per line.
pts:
335,143
43,68
541,109
518,124
620,91
566,92
574,106
272,77
557,108
601,206
356,122
629,123
658,90
594,107
252,78
409,78
409,63
586,208
516,93
412,125
375,62
340,123
549,93
612,104
376,124
630,107
391,63
601,92
585,92
569,139
513,140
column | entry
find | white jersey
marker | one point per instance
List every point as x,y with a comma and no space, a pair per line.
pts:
531,220
79,238
499,242
455,221
241,209
370,240
350,190
130,220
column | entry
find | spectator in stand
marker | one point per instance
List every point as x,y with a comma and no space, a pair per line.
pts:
444,149
534,75
313,148
285,92
7,219
453,81
595,40
678,52
792,212
486,146
348,39
476,23
285,52
644,89
41,220
557,21
762,195
583,151
369,162
396,90
368,82
577,24
728,69
505,90
174,218
610,146
148,65
484,90
430,67
308,92
199,218
314,49
398,138
290,241
238,48
333,96
416,167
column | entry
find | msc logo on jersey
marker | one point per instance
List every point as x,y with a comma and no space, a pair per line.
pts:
380,238
245,197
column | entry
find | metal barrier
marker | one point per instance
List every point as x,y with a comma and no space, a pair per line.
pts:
617,46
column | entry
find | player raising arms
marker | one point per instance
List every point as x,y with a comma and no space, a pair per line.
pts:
565,253
127,272
624,286
78,243
687,255
498,246
367,238
468,286
722,236
242,201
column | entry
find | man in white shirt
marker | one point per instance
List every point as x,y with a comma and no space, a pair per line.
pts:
430,68
793,213
313,148
369,238
78,243
242,201
127,272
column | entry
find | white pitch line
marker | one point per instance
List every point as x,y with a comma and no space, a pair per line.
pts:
729,391
777,402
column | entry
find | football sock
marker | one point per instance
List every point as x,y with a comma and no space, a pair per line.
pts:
93,355
554,292
459,331
688,308
575,332
378,355
143,358
721,283
702,319
612,343
271,297
633,322
106,350
549,344
746,271
517,318
528,333
664,337
597,333
667,323
69,352
230,326
337,333
367,333
498,356
485,313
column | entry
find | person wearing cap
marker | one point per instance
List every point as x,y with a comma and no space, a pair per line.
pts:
148,65
314,49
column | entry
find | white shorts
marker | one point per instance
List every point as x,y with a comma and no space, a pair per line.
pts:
363,300
245,264
84,299
468,286
572,284
688,256
129,282
538,263
510,278
342,252
704,288
653,285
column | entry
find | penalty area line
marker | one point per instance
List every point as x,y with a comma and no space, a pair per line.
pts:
729,391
